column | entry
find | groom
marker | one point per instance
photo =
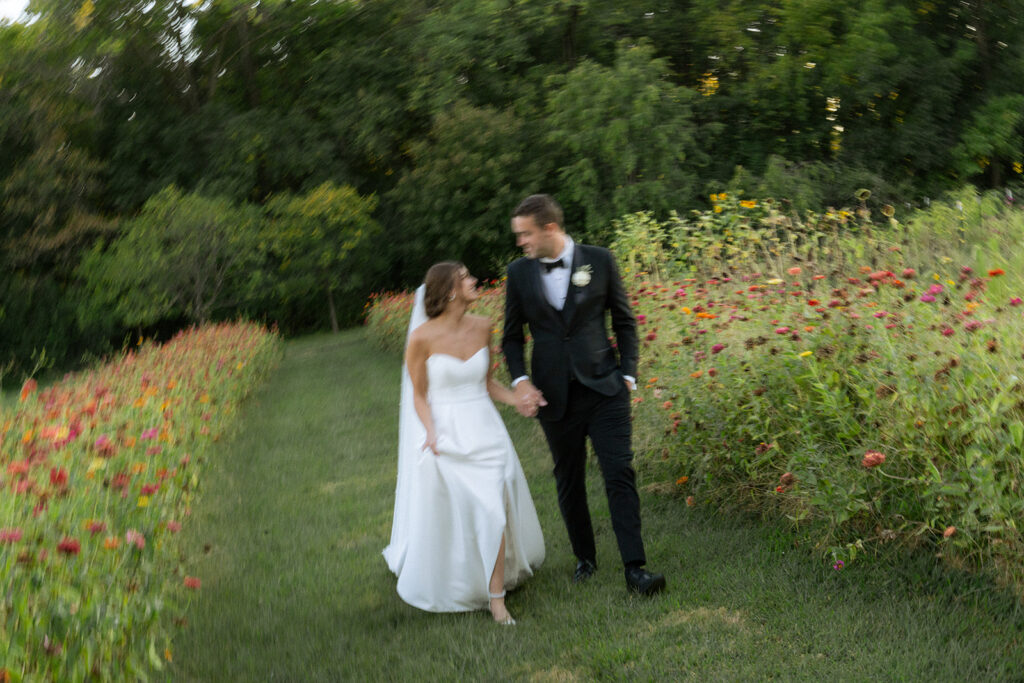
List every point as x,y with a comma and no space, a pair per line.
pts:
579,389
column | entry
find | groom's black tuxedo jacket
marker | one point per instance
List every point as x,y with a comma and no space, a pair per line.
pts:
572,343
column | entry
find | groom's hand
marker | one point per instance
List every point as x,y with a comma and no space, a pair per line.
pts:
528,398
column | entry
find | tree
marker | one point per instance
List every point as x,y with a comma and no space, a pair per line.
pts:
183,255
625,137
312,236
467,176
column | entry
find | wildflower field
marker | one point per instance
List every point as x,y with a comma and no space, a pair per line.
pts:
865,380
98,474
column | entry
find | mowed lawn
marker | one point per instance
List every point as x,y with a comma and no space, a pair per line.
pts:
296,508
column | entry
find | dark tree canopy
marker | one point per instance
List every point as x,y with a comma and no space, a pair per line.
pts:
432,119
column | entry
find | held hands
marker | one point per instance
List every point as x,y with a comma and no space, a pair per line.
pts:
528,399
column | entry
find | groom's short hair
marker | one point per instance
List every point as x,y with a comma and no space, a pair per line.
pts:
542,208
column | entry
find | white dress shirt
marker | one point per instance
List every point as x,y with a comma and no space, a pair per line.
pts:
556,280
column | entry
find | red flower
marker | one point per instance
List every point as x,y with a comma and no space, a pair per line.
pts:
58,477
69,546
873,459
950,530
996,272
27,388
192,582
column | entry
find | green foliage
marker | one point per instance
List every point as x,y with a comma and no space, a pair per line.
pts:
625,137
467,176
183,255
995,137
311,239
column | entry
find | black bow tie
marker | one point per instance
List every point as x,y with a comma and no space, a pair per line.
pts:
548,267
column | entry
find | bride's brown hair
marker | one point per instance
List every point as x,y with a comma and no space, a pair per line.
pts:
440,283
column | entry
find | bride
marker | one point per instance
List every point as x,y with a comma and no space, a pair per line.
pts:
465,528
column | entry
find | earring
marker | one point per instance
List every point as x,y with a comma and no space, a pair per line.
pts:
452,297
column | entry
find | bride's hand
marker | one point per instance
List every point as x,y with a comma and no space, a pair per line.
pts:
431,443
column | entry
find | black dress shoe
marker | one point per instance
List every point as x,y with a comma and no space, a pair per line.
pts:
641,581
584,570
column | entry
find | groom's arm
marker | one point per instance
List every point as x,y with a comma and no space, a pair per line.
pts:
513,341
623,321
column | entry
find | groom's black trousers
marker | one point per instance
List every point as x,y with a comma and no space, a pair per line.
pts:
606,420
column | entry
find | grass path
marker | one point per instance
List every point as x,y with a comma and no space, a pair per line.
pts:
293,516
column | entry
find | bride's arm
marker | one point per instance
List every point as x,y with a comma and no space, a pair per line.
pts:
416,361
497,391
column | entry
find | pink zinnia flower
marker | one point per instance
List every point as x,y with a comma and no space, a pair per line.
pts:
909,272
192,582
134,537
1016,301
641,318
972,325
781,330
873,459
149,434
173,527
795,270
10,535
927,298
717,348
948,332
935,289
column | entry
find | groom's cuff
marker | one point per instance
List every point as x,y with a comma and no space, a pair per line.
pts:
631,380
517,380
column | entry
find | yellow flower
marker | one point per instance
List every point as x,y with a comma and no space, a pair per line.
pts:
774,281
1017,167
748,203
718,209
686,310
143,501
138,467
804,354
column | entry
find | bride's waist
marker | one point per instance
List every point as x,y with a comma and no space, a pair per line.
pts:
457,395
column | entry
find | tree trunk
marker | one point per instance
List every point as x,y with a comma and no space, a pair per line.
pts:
330,306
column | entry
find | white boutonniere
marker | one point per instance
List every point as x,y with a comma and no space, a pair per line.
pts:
581,278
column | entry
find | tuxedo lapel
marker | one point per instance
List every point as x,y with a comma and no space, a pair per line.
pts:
574,292
537,288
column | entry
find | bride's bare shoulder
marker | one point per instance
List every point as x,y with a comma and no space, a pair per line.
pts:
423,335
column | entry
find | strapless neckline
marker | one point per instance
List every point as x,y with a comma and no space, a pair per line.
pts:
453,357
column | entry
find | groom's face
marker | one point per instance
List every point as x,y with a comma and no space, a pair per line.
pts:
535,240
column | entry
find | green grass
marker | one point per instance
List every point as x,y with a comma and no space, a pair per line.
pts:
294,513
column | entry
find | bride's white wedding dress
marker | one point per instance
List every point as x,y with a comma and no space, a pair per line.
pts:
452,509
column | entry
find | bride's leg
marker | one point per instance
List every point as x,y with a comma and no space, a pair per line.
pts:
497,587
